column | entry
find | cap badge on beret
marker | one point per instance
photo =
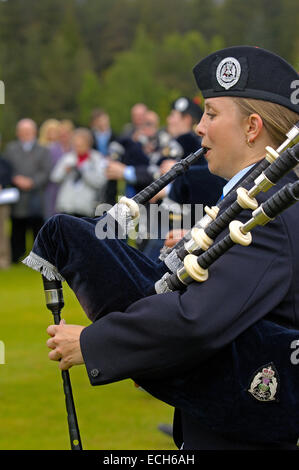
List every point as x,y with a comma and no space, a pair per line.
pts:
181,104
228,72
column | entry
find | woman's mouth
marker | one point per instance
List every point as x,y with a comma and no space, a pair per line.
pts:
207,151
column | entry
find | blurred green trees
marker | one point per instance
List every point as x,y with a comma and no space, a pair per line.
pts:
148,72
62,59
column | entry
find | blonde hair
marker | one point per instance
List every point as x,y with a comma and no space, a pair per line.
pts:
277,119
46,126
67,123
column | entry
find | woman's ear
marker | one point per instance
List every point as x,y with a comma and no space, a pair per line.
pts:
253,127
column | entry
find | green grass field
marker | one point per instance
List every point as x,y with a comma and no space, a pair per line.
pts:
32,407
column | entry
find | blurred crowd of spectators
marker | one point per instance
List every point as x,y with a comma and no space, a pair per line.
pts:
60,168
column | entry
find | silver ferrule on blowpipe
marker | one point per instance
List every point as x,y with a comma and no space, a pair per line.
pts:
259,217
183,276
261,184
54,297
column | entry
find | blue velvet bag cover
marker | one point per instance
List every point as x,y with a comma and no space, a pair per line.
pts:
105,274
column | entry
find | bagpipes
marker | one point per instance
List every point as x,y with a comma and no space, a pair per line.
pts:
203,235
68,248
195,268
52,278
173,257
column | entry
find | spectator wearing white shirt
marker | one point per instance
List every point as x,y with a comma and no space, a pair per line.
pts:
81,175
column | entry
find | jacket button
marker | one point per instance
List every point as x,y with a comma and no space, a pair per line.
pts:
94,372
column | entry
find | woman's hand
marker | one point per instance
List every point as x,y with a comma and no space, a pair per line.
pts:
65,344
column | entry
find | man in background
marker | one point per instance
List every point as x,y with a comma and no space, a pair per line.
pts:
5,180
31,164
103,135
138,117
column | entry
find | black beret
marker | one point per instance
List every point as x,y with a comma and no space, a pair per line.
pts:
187,106
248,72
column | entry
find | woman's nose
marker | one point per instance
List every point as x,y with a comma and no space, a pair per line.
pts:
200,129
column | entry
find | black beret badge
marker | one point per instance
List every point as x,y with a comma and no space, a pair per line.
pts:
230,72
182,104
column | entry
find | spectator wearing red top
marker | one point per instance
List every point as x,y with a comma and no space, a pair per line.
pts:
81,175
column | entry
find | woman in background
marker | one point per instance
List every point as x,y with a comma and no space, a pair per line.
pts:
81,176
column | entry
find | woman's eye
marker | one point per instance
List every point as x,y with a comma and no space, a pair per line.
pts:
211,115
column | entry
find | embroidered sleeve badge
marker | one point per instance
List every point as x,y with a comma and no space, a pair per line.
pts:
264,385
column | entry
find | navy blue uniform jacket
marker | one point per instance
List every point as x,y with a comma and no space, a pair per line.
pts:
161,338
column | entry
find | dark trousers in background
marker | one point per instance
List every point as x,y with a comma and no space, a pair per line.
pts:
5,258
19,228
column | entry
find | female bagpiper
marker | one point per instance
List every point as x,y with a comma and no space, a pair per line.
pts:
219,351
